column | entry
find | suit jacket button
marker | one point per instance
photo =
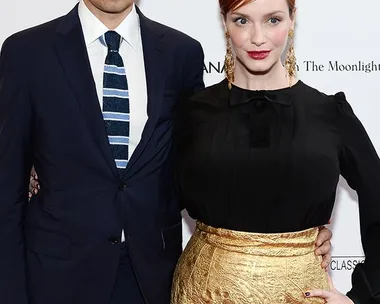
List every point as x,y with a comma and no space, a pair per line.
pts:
122,186
114,240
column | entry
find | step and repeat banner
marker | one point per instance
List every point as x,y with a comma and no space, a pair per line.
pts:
337,47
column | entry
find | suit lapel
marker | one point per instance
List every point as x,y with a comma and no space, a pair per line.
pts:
72,53
154,61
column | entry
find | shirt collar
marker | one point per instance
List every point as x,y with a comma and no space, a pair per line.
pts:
93,28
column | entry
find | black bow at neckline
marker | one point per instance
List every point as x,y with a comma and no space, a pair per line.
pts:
241,96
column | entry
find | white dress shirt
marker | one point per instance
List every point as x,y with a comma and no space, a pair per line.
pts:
131,52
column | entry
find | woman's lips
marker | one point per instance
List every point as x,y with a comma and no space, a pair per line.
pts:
258,55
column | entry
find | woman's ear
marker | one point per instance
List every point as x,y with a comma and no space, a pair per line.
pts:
224,22
293,17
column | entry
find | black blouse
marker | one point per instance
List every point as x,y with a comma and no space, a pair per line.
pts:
269,161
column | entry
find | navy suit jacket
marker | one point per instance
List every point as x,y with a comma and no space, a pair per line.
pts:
63,246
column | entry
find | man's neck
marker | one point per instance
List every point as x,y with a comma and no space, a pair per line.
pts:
110,20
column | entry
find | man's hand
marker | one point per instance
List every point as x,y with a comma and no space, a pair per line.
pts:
323,246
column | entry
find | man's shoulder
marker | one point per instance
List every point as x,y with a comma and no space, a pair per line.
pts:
33,36
173,36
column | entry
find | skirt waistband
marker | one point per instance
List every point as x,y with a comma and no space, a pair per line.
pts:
262,244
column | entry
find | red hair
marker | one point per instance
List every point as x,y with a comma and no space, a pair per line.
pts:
231,5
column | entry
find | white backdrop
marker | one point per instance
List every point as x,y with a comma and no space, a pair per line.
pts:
327,33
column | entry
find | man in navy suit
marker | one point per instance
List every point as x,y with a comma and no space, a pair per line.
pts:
89,99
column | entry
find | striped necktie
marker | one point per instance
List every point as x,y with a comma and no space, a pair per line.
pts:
116,101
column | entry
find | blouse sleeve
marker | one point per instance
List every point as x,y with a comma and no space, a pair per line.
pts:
360,166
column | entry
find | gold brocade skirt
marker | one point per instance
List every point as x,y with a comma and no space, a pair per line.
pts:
220,266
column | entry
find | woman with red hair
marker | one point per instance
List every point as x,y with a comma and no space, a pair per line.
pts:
258,161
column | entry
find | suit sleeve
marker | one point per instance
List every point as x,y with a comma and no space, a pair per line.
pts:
360,166
193,78
15,165
192,83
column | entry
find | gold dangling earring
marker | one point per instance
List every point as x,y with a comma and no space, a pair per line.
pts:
290,62
229,62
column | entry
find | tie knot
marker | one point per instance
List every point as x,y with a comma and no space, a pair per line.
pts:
113,41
